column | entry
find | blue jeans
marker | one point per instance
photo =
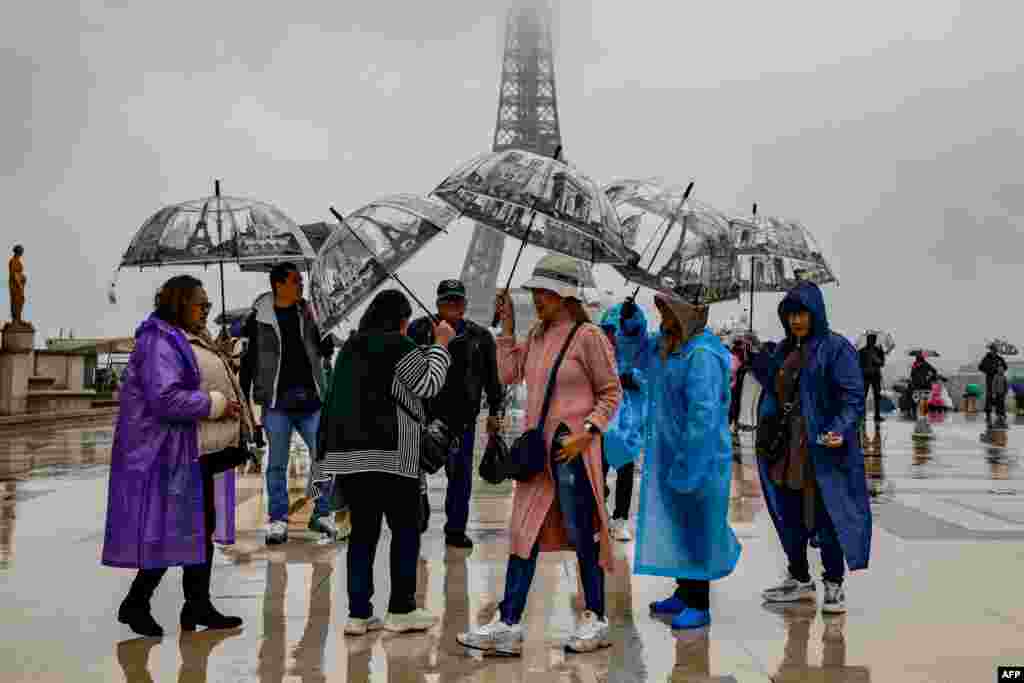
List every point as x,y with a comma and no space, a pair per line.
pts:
575,498
279,426
460,485
792,504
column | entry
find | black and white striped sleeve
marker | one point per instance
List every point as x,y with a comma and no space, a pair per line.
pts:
423,370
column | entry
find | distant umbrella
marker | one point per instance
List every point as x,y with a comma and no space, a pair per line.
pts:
925,352
884,339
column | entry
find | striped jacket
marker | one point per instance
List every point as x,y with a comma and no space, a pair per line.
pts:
364,429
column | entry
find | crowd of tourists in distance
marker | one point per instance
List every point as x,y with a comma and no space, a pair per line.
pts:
599,394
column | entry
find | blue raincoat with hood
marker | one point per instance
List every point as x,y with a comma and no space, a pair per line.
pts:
683,525
832,400
624,438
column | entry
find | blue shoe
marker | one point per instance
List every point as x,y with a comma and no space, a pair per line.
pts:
672,605
692,618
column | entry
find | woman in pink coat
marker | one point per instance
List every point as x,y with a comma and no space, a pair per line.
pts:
560,508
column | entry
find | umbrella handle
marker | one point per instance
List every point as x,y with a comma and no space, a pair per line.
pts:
433,318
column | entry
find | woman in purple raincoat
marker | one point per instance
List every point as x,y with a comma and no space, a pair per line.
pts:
164,503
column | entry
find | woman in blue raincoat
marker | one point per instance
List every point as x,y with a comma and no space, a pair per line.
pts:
626,325
683,529
818,486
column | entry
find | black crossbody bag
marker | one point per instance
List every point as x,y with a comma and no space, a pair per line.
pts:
436,440
529,453
772,436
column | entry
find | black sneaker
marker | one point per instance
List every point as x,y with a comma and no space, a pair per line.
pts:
458,541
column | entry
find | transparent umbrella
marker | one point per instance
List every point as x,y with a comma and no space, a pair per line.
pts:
375,241
884,339
213,231
674,243
1003,347
774,255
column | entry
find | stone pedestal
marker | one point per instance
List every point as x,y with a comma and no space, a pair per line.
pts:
15,367
18,337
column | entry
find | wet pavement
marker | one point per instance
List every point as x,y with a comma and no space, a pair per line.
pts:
941,601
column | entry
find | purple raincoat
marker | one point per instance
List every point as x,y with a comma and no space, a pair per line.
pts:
155,497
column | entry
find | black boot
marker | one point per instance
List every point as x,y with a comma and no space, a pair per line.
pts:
198,610
135,610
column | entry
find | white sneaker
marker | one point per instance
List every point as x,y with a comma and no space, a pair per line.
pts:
835,599
497,637
360,627
417,620
791,590
591,634
277,533
620,530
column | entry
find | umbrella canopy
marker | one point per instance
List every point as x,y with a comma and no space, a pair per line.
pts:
697,249
922,351
543,201
780,253
217,230
395,228
1003,347
884,339
316,234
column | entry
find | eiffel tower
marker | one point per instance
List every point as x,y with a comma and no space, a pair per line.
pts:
527,119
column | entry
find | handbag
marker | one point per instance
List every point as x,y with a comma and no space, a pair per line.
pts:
436,440
493,464
770,439
228,459
529,453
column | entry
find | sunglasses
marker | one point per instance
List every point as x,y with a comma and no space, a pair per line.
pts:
206,307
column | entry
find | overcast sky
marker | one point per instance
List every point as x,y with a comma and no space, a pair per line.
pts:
892,130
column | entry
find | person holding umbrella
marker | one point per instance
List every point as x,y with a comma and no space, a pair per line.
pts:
560,507
994,368
162,499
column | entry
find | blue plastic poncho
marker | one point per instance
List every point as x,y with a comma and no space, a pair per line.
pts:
624,438
683,529
832,400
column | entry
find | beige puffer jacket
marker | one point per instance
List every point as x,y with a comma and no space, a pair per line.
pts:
217,376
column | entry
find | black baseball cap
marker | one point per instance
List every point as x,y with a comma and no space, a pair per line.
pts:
451,289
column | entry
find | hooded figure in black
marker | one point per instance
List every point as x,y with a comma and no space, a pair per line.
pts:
872,360
994,368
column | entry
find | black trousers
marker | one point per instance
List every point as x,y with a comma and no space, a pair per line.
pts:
873,384
695,593
371,497
994,401
195,577
624,491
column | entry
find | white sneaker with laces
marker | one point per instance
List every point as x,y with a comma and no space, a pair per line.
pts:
620,530
277,533
791,590
591,634
497,637
417,620
360,627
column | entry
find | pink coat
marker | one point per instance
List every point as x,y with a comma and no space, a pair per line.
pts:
588,389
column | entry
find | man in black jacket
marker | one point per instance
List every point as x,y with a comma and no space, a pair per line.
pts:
284,365
872,360
474,370
994,368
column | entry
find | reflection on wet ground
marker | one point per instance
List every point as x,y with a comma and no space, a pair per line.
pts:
947,509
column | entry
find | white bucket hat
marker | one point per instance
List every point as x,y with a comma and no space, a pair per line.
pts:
563,275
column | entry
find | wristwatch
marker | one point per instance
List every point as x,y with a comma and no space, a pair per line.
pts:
590,427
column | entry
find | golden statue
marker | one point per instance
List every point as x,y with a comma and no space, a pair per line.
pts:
16,284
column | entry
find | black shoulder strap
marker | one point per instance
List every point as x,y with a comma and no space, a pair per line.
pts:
549,392
405,409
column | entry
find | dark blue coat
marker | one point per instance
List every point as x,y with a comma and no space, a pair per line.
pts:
832,400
